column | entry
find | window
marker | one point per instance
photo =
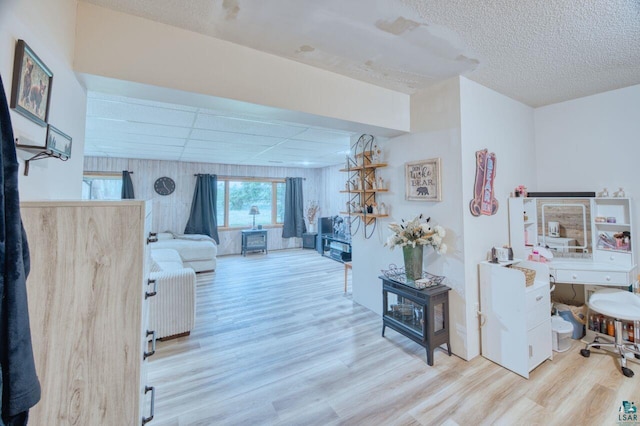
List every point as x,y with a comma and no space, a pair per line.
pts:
237,195
101,186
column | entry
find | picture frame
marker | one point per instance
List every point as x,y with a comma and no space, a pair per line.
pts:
423,180
31,85
58,143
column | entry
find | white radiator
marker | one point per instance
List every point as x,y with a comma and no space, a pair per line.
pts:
173,309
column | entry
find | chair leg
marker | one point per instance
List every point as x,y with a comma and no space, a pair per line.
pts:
618,345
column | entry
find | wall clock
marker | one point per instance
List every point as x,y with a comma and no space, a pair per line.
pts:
164,185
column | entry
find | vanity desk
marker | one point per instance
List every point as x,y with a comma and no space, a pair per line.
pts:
591,238
578,271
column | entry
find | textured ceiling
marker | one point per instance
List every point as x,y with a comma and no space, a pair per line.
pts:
536,51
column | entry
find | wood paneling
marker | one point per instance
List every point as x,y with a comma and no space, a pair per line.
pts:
277,342
171,212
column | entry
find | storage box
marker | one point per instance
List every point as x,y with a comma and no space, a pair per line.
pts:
578,328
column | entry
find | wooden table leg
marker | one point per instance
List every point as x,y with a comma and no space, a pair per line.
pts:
347,266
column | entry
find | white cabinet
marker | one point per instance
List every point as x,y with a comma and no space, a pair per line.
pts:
515,318
88,304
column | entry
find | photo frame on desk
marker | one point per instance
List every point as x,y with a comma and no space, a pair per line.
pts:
31,85
422,180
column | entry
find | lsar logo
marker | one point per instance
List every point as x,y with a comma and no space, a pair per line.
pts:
627,413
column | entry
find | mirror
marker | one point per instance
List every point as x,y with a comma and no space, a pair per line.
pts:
564,225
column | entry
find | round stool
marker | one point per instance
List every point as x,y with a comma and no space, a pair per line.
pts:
621,306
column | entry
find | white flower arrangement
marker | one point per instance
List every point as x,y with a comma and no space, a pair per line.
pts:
417,232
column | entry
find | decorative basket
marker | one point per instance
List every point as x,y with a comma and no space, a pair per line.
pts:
529,274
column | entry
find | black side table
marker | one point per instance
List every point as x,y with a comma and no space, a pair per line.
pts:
254,240
421,315
309,240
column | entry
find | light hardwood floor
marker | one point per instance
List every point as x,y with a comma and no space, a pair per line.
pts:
277,342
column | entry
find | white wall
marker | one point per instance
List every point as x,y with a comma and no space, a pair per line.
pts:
506,127
591,143
48,27
435,133
452,120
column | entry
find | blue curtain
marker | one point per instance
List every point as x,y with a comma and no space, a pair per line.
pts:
203,218
18,380
127,186
294,225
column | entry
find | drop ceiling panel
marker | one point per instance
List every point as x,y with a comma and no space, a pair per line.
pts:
133,139
324,136
245,126
136,113
239,138
97,127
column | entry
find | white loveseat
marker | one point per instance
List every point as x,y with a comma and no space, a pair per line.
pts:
198,252
172,311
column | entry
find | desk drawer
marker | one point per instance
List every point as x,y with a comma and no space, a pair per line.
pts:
613,257
538,306
592,277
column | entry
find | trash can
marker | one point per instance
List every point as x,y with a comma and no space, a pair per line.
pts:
562,331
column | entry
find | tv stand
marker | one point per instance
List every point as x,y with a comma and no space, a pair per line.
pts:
336,247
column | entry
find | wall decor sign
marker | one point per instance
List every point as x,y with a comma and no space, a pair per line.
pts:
31,86
484,202
423,180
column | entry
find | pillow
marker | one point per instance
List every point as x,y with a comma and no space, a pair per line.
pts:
165,236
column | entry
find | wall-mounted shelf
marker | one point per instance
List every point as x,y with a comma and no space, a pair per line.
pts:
362,185
40,153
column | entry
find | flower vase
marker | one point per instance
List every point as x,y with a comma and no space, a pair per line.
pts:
413,262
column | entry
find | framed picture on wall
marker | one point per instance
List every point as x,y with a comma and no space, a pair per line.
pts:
422,179
58,143
31,85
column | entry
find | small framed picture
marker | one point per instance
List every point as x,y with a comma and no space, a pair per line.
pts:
58,142
31,86
423,180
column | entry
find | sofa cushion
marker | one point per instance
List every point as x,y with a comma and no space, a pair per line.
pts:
164,236
154,267
166,259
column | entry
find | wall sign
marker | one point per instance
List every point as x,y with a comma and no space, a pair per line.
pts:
423,180
484,202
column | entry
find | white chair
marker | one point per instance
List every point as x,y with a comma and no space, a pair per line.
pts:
622,306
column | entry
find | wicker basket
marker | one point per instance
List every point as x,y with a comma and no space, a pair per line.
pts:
529,274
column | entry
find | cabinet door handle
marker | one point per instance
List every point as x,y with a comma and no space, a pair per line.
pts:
148,294
530,351
608,278
152,410
539,298
483,319
153,345
152,238
574,276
